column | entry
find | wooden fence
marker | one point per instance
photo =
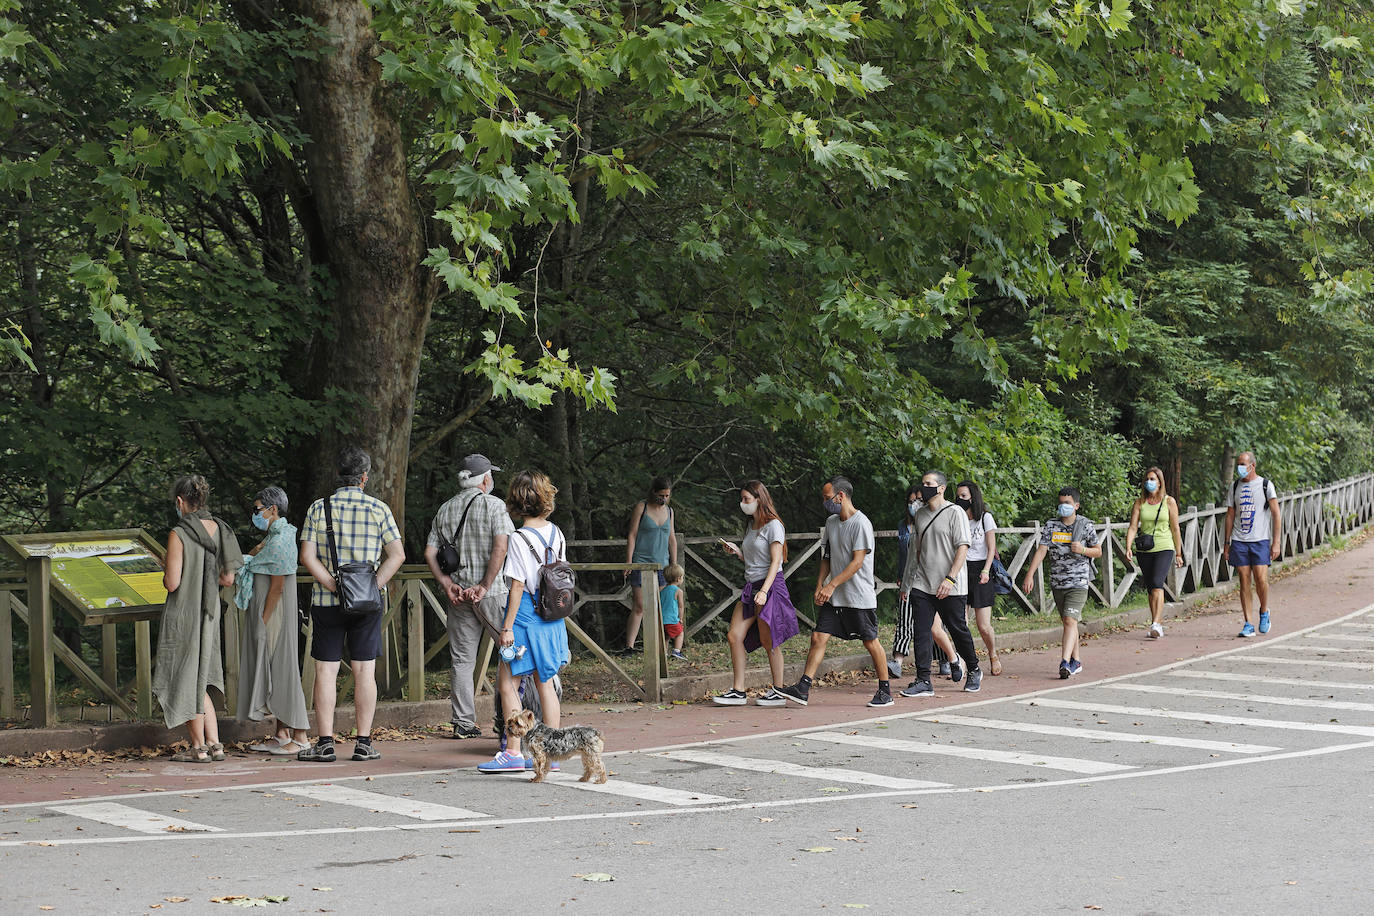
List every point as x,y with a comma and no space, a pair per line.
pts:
1311,517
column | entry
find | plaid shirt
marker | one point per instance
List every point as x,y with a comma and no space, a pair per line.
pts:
487,519
363,525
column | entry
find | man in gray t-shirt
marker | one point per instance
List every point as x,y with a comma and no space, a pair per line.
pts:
845,591
1254,535
936,578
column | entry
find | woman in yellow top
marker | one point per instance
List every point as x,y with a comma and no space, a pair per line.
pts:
1154,529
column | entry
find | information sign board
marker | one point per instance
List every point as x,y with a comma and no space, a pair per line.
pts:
100,575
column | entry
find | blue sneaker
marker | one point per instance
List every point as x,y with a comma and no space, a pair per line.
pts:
1075,666
1246,631
504,762
1264,621
529,765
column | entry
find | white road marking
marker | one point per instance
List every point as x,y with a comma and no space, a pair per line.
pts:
1068,764
1306,662
132,818
389,804
1340,637
1092,734
784,768
1158,713
1269,679
1247,697
659,794
1304,647
741,806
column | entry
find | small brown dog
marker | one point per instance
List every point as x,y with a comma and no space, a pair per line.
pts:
545,744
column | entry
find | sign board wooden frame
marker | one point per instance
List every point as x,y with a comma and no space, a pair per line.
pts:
88,581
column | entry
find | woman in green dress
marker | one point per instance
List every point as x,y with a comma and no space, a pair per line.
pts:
202,554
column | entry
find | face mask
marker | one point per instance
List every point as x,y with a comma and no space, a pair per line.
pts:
659,500
928,492
748,508
1151,485
1065,510
963,503
1241,471
831,505
259,522
911,509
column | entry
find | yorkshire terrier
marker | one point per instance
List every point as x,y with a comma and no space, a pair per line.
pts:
546,744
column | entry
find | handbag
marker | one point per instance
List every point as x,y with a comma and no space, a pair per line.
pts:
1146,542
356,583
1001,579
447,556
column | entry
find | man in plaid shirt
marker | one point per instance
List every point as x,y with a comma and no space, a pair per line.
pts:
476,590
364,532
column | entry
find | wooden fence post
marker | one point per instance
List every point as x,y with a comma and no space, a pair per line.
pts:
42,692
6,656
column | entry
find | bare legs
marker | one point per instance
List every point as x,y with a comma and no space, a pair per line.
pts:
739,658
982,616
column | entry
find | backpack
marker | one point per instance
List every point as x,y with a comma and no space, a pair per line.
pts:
1092,564
555,598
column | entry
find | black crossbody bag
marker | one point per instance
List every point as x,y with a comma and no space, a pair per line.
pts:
448,558
355,583
1146,542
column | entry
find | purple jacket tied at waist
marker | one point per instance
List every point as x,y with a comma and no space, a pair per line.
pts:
777,612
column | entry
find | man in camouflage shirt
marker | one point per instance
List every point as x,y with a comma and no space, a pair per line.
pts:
1071,541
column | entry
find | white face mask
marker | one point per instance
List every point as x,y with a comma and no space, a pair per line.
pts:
748,508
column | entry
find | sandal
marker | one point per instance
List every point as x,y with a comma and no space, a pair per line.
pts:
192,755
289,749
996,665
216,751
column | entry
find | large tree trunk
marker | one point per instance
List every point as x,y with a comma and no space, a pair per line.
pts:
372,234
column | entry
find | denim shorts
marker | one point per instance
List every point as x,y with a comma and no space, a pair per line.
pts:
636,578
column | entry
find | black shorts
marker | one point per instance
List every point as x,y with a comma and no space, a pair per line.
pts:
980,594
848,622
1154,567
333,631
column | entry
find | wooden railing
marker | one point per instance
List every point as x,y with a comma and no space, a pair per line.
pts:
1311,517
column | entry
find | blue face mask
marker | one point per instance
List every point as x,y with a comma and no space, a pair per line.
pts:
1241,471
1151,485
1065,510
260,523
911,509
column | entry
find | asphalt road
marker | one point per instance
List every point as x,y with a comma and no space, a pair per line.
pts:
1235,782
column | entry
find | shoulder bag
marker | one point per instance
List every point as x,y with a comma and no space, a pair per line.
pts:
448,558
1146,542
355,583
555,597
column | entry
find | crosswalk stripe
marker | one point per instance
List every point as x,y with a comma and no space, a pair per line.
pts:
1359,626
784,768
661,794
1305,662
1339,637
388,804
1268,679
1303,647
1066,731
1046,761
1247,697
118,815
1214,719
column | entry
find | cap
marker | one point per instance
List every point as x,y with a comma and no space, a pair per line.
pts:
478,465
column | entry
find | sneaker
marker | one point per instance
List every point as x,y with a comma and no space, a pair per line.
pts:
366,752
894,667
1156,631
504,762
974,682
466,731
956,671
794,692
553,765
318,753
1075,666
776,696
1064,671
918,689
1246,631
944,669
731,698
678,654
1264,622
881,698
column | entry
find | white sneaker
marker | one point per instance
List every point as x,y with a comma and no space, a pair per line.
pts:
1156,631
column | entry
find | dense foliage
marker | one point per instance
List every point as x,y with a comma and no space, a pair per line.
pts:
1031,243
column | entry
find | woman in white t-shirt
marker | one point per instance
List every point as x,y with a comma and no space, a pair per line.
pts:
545,643
764,615
982,532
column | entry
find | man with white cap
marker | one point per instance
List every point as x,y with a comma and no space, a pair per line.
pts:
471,531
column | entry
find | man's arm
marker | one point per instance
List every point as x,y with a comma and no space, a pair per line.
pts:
393,555
441,578
1276,539
310,559
947,583
1029,581
1230,523
827,589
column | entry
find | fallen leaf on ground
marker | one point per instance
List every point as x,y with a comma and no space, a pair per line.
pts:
818,849
597,876
1091,906
765,820
322,888
176,899
855,906
642,843
911,806
833,789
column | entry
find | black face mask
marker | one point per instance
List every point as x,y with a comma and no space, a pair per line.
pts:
928,493
963,503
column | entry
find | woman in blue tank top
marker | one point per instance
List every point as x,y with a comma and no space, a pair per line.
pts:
651,539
